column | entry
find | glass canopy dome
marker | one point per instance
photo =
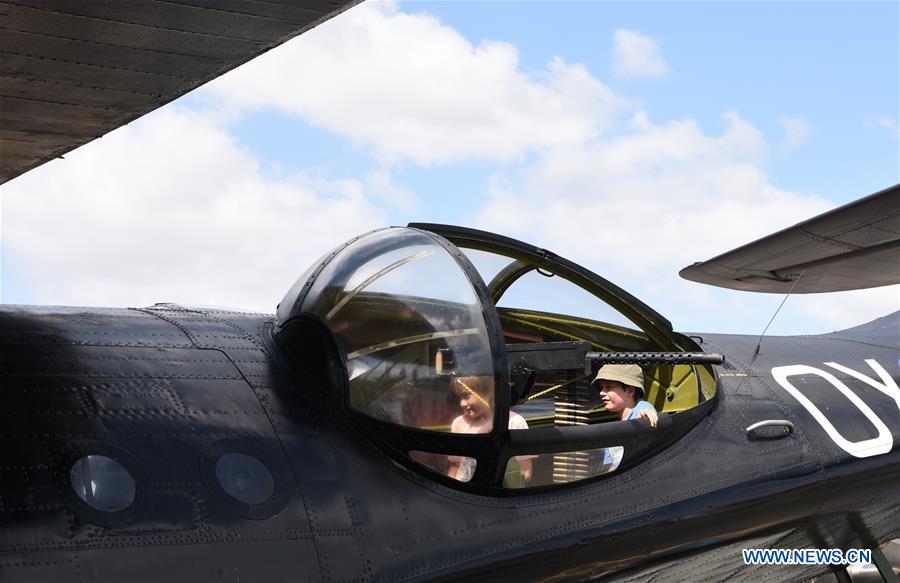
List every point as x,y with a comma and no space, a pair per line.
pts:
398,327
409,314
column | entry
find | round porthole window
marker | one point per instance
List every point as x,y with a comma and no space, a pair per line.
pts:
245,478
102,483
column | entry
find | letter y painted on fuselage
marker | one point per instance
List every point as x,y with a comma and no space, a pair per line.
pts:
881,443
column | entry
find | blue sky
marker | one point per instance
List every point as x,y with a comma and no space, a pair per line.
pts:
632,137
822,61
831,63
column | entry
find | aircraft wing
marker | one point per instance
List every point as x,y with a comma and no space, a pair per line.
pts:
856,246
73,71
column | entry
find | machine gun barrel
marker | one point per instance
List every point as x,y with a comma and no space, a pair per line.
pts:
592,360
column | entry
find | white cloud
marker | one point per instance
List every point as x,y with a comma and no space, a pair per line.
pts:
796,132
169,208
845,309
640,207
661,197
883,121
381,186
636,55
413,88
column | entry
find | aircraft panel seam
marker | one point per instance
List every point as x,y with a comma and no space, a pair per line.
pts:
315,13
63,103
257,42
260,346
172,359
169,538
117,46
118,375
862,342
157,314
37,563
95,66
56,342
590,521
818,454
536,536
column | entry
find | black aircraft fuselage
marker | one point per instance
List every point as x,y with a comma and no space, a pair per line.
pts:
168,392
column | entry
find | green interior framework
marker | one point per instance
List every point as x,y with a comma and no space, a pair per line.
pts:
405,347
669,388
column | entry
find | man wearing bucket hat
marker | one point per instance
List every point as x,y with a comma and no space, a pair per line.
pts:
621,388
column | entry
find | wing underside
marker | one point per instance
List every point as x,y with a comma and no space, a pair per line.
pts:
73,71
856,246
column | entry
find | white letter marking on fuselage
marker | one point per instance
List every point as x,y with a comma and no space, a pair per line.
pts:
865,448
887,385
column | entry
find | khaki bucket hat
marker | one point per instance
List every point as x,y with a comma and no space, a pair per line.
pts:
627,374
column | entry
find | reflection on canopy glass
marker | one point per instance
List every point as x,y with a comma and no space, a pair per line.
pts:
407,318
544,292
562,468
459,467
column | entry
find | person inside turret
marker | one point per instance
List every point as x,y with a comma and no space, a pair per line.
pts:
476,398
621,388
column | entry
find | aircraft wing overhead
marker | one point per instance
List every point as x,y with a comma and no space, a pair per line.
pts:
73,71
856,246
